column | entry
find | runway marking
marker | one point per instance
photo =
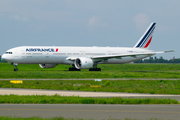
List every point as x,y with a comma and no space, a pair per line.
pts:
92,110
16,81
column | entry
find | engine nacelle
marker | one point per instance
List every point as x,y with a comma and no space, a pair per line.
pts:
47,65
83,63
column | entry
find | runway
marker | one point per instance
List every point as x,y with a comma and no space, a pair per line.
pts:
17,91
92,111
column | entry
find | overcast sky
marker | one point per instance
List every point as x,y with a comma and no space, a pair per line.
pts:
89,23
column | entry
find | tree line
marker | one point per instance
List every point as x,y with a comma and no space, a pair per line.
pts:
158,60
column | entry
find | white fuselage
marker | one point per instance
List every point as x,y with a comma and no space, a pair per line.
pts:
59,55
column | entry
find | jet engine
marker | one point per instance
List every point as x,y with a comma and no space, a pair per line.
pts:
83,63
47,65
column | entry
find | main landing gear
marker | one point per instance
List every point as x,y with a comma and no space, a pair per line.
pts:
73,68
15,66
95,68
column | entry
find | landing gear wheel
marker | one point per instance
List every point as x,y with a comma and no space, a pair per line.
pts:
95,69
15,69
15,66
74,69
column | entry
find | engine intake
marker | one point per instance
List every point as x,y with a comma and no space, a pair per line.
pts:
47,65
83,63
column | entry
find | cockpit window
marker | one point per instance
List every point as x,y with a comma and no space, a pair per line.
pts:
8,52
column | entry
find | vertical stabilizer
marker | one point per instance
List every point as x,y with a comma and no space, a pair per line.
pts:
145,40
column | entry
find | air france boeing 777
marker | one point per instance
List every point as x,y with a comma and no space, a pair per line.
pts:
81,57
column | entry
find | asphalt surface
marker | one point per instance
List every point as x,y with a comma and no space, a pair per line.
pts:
92,111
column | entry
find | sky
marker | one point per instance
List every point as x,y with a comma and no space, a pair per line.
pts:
102,23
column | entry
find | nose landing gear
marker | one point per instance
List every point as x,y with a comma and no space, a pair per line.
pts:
15,66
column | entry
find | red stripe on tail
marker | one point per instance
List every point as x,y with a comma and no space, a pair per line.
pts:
148,43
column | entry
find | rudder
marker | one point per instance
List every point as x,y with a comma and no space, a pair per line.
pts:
145,40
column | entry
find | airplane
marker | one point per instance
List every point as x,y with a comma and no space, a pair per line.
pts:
81,57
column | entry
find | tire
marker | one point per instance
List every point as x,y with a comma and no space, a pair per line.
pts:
15,69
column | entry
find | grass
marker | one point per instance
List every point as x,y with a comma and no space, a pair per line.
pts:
56,99
108,71
128,86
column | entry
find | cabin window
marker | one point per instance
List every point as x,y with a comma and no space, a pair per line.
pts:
116,53
95,54
59,53
28,53
75,53
37,53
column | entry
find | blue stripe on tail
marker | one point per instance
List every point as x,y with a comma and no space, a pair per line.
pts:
141,43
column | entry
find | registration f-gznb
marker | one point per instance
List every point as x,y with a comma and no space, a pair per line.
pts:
81,57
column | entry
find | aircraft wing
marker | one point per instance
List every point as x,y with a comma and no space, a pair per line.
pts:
128,55
121,55
105,57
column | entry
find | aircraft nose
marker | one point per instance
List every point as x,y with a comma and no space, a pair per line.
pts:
3,57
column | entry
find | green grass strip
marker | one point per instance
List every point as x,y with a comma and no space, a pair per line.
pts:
59,118
127,86
108,71
56,99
